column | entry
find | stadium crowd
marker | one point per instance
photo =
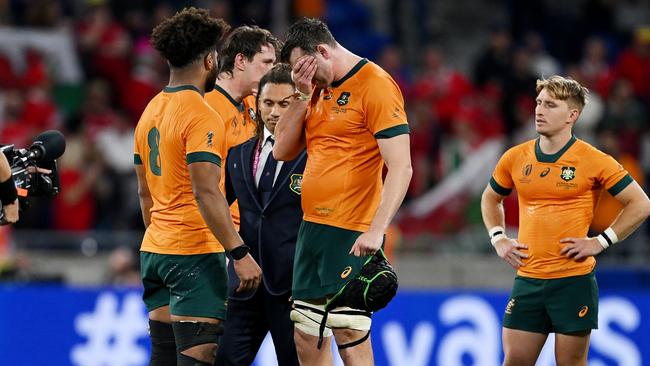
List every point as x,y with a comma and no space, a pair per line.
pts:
96,94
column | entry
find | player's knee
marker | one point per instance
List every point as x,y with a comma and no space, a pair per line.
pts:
349,318
577,358
352,326
196,342
518,359
184,360
307,318
163,345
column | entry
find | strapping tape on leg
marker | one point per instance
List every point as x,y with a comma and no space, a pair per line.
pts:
345,318
348,318
308,317
369,291
189,334
163,345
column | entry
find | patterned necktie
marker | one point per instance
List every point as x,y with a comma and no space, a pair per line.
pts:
265,185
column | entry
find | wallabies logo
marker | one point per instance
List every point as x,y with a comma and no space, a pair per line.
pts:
568,173
296,183
344,98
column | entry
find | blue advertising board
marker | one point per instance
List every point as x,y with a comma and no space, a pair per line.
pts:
55,325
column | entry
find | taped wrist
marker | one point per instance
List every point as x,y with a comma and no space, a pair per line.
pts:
607,238
497,233
8,193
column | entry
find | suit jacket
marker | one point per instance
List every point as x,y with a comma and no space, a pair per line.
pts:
270,231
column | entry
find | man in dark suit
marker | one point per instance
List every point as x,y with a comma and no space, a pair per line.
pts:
268,192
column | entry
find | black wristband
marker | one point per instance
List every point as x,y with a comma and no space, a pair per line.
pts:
239,252
8,193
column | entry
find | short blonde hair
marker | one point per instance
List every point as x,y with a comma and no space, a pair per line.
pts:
565,89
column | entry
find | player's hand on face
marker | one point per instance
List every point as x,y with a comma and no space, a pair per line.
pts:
10,213
580,248
303,73
511,251
367,244
249,273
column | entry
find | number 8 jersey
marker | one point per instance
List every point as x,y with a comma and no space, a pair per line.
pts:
176,129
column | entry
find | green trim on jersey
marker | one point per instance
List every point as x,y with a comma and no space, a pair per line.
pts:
621,185
239,106
357,67
393,131
137,160
552,158
174,89
498,189
203,156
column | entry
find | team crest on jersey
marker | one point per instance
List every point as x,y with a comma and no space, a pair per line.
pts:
296,183
210,135
344,98
251,114
568,173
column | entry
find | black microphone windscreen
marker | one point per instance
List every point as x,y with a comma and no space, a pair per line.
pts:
53,142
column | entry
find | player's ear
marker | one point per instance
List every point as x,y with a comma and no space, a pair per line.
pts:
323,50
239,61
210,60
573,115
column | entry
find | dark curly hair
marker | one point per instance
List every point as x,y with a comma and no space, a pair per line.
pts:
279,74
306,33
247,40
188,36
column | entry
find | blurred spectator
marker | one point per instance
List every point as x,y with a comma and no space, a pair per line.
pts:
608,207
79,172
98,111
123,266
634,64
148,77
493,64
595,72
27,113
626,116
443,86
425,147
542,64
43,14
105,45
390,60
518,92
114,191
593,111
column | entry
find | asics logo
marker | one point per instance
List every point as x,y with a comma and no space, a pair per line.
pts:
545,172
583,311
346,272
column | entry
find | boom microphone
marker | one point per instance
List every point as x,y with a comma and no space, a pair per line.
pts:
47,146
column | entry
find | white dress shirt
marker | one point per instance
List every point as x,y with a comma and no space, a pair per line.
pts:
267,148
